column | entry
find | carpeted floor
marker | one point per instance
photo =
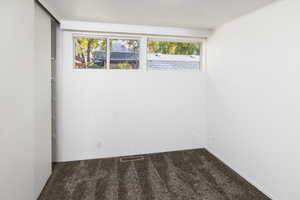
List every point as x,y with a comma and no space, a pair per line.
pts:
180,175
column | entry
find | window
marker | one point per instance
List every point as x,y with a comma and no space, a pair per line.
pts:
129,52
124,54
164,54
90,52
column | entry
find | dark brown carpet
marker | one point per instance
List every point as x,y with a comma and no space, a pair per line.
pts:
181,175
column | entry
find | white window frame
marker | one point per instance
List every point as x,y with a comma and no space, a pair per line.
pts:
143,48
202,55
123,37
74,36
108,37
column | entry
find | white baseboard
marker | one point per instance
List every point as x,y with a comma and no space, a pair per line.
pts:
258,186
124,154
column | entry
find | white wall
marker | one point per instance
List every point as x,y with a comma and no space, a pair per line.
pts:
43,157
112,113
24,118
254,95
133,29
17,100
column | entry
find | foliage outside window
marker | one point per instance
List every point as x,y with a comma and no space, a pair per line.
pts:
90,52
173,48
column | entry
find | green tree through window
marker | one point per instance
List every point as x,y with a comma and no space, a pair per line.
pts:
173,48
85,52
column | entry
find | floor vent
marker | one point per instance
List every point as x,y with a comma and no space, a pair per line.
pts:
132,158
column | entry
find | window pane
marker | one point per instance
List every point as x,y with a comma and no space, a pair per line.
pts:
173,55
124,54
90,52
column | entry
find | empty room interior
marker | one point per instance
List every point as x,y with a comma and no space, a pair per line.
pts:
150,100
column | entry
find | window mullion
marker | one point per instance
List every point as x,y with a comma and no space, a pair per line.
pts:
143,53
108,53
203,57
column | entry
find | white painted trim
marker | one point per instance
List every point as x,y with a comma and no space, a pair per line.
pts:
176,39
107,53
132,36
143,53
243,175
133,29
203,52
